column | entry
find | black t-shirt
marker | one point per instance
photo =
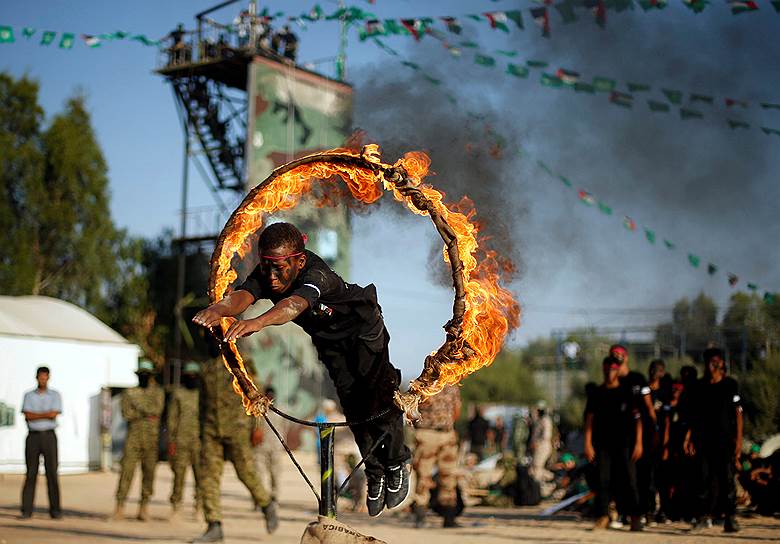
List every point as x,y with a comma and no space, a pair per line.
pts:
478,428
337,310
714,411
614,416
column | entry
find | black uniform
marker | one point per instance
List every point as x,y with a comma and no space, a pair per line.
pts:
614,418
345,323
713,422
637,383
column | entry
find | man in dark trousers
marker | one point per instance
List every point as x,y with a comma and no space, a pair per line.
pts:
613,441
345,323
715,439
40,407
478,427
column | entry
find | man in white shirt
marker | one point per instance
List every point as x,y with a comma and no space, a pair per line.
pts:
40,407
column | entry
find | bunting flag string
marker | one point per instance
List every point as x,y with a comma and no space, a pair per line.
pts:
66,40
650,235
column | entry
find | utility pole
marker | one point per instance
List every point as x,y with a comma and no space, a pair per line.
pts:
181,268
341,59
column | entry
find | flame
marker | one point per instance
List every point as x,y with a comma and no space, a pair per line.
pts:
491,310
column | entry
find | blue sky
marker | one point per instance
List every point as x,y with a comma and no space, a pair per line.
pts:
708,188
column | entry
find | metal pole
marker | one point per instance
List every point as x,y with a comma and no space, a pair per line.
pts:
327,473
182,257
341,60
558,372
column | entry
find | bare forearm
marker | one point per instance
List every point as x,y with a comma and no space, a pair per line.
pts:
650,408
32,416
235,303
739,429
284,311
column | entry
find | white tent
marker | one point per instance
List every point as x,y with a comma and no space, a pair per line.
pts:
84,356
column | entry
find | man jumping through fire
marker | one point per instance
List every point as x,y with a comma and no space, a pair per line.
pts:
345,323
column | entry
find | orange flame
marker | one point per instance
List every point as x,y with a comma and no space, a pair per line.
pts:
491,310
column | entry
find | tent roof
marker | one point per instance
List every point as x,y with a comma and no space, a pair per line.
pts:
46,317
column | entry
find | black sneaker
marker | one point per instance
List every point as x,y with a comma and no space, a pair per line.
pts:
271,518
397,485
213,533
375,498
731,525
701,523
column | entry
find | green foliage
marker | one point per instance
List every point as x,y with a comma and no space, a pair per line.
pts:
761,393
508,380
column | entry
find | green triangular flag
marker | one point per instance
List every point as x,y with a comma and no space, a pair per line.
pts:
770,106
484,60
48,37
658,106
536,64
637,87
66,42
144,40
712,269
410,64
565,181
603,208
566,9
516,16
769,298
619,5
652,4
650,235
471,45
768,130
702,98
432,79
516,70
544,167
694,260
584,88
6,34
475,17
737,124
621,99
752,286
551,80
675,97
668,244
506,53
603,84
28,32
685,114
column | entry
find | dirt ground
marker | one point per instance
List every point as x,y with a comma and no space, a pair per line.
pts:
88,500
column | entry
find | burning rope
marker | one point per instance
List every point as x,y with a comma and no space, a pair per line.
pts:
483,311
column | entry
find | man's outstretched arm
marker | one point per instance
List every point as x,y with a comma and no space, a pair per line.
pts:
280,313
232,305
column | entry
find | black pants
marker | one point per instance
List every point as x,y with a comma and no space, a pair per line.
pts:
365,381
616,478
41,443
646,479
717,490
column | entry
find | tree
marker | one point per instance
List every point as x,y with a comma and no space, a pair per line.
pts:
508,380
694,326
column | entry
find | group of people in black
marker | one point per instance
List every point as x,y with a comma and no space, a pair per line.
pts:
664,449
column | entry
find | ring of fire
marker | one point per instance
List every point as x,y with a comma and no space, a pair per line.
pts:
484,311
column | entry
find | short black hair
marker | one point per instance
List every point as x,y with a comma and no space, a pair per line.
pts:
653,368
711,353
42,370
281,235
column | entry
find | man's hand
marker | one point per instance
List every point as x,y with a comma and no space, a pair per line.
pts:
242,328
171,449
590,453
636,455
689,448
209,317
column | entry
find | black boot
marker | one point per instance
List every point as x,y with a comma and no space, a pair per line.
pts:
419,515
213,533
271,519
731,525
450,513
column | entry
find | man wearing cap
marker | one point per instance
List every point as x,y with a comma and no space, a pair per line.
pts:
40,407
715,439
613,441
142,407
226,435
184,433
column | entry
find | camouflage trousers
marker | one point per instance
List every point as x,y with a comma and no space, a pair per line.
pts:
440,449
143,449
237,449
188,456
267,463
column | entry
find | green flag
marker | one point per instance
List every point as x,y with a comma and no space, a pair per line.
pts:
637,87
752,286
28,32
144,40
776,5
551,80
668,244
410,64
580,87
619,5
566,9
769,298
431,79
652,4
544,167
475,17
506,53
737,124
702,98
565,181
66,42
516,16
712,269
6,34
516,70
603,208
686,114
694,260
650,235
769,131
470,45
48,37
697,6
658,106
621,99
675,97
484,60
603,84
769,106
536,64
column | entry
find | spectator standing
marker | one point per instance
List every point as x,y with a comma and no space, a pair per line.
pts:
184,434
268,449
520,435
541,443
437,446
40,407
501,435
715,439
478,427
613,441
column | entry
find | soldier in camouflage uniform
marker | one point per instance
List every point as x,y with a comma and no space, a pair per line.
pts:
184,434
226,433
437,445
141,408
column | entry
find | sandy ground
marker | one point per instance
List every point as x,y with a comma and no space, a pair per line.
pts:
88,501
